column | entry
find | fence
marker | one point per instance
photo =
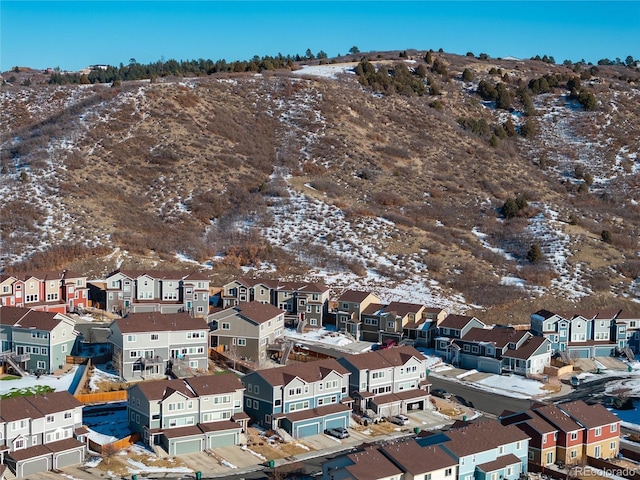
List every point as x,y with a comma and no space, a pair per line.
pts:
102,397
113,447
613,469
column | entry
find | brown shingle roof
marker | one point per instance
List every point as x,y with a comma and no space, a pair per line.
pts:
590,416
317,412
371,464
54,402
157,389
373,309
498,336
557,418
390,357
499,463
219,426
40,320
159,322
309,372
527,349
17,408
31,452
257,312
182,432
353,296
10,315
64,445
416,459
479,437
456,322
214,384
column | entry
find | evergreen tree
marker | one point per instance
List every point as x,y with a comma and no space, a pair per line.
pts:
467,75
534,255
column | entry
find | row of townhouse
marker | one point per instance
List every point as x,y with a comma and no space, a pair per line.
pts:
568,432
41,432
190,415
363,316
140,291
35,341
469,343
305,399
57,291
483,451
586,334
301,301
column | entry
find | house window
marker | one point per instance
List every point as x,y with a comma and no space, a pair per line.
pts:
574,435
448,472
200,309
345,305
509,470
51,418
255,404
598,431
41,365
574,453
248,402
155,336
313,322
465,348
226,326
131,338
391,324
613,428
475,349
193,364
242,342
19,444
256,390
613,446
518,445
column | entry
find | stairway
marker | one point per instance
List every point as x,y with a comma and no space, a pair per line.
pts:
19,370
302,324
285,354
629,354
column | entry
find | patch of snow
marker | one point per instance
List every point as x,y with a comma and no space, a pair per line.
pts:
326,71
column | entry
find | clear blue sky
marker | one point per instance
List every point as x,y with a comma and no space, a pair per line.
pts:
74,34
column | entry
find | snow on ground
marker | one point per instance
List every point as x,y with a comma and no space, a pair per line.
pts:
326,71
102,373
513,386
139,467
58,382
320,335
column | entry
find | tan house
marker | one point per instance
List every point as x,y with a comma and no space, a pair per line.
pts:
351,305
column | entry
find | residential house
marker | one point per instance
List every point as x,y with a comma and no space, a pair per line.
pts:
351,305
188,415
57,291
420,463
388,382
583,334
301,301
568,432
543,436
140,291
366,463
301,399
389,322
570,440
246,330
36,341
41,433
146,345
501,349
631,324
423,331
485,451
448,330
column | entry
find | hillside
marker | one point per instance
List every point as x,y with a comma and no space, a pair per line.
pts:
311,174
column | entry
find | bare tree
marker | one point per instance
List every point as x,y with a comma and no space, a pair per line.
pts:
233,353
108,452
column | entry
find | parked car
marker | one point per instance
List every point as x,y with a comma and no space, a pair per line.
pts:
388,343
399,419
441,393
339,432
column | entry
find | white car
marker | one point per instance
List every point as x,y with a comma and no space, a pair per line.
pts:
399,420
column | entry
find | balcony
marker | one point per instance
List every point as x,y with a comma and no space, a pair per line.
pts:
148,362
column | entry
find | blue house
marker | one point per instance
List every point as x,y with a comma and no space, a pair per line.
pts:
301,399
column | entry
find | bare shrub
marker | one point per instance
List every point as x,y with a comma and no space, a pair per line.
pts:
388,199
327,186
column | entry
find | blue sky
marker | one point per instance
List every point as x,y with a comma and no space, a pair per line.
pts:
74,34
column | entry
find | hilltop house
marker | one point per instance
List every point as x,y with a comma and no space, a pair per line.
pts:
146,345
381,322
190,415
583,334
41,432
388,382
57,291
35,341
301,399
140,291
301,301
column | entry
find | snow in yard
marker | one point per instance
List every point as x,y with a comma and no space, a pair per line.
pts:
139,467
320,335
101,373
58,382
512,386
106,424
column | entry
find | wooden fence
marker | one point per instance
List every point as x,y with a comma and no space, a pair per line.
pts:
102,397
113,447
614,469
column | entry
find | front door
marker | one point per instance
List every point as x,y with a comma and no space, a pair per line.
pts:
596,451
20,350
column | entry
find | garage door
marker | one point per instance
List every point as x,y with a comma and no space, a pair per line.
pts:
335,422
489,366
222,440
307,430
68,458
416,405
186,446
36,465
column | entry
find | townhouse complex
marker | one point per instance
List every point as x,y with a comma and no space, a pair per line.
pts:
41,432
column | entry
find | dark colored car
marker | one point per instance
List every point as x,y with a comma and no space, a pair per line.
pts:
441,393
339,432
